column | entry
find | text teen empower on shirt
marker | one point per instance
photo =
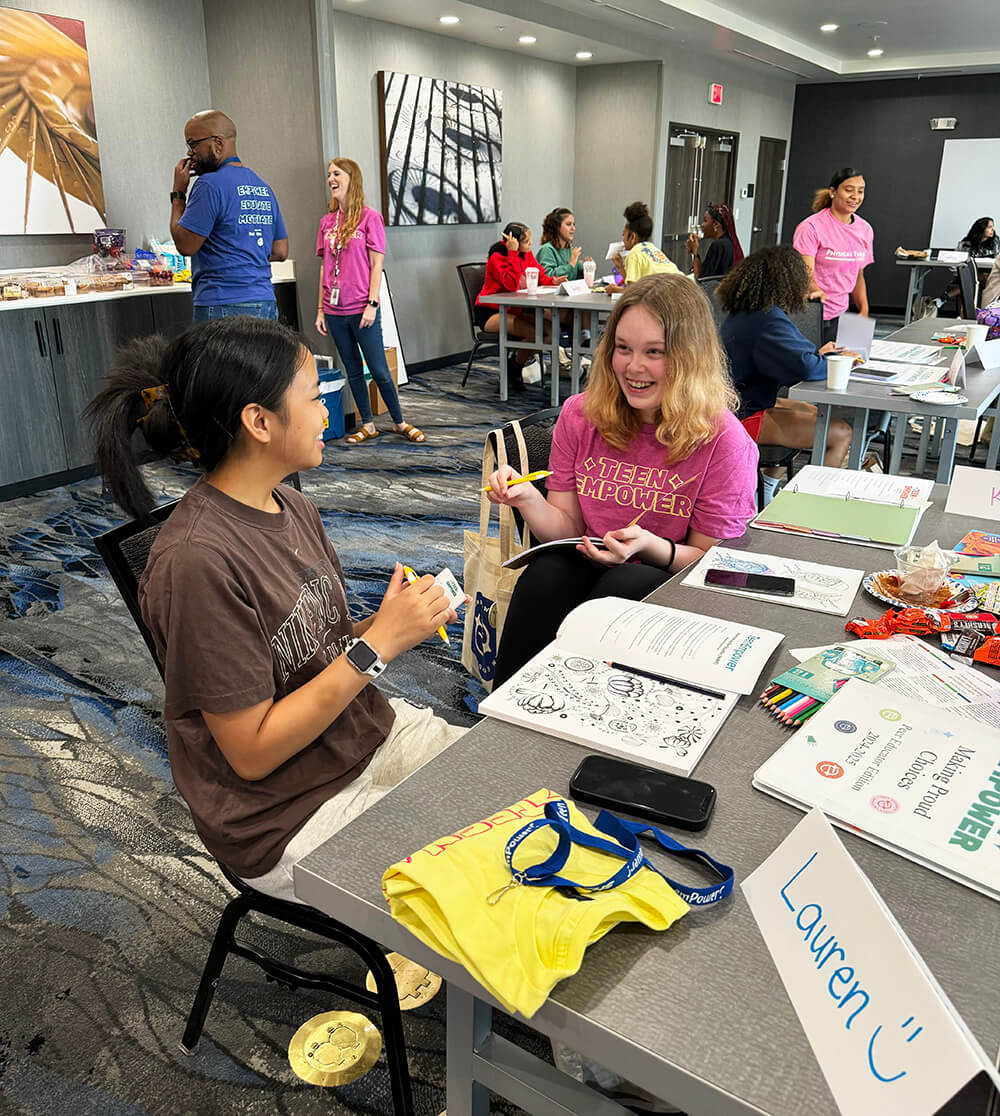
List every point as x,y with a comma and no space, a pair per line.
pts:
276,736
653,435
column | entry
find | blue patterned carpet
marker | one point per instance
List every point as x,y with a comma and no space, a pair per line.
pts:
107,900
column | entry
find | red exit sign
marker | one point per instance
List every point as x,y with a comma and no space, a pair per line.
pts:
715,93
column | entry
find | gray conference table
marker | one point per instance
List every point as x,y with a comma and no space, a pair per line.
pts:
861,398
593,305
697,1014
920,269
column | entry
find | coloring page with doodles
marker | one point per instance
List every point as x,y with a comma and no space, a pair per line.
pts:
818,588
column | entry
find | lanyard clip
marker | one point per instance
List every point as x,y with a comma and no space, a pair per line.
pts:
494,897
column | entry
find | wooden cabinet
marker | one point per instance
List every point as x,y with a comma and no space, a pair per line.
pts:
84,341
32,441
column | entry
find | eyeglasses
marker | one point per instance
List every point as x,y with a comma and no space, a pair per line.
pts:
193,143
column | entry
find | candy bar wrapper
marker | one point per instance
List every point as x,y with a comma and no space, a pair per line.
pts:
989,652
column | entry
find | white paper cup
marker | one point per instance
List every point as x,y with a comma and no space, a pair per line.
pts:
838,372
974,334
589,271
531,280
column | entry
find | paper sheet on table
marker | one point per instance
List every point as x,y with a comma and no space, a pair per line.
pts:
855,333
817,588
951,255
908,354
888,372
929,675
881,488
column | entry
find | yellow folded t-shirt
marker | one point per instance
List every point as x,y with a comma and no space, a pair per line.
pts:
531,937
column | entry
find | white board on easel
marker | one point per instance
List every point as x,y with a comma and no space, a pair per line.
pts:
390,334
967,188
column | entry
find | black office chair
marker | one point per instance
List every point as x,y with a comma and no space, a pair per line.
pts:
536,429
968,289
709,286
472,276
125,551
809,321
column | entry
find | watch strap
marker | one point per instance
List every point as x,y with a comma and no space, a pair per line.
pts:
180,195
375,668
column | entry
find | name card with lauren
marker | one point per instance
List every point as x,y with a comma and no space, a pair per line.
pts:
885,1035
974,492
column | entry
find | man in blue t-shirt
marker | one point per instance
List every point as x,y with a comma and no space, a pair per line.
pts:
231,226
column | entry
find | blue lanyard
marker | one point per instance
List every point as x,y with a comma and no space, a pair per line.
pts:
624,843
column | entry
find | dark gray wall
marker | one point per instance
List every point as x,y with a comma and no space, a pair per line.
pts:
882,127
262,64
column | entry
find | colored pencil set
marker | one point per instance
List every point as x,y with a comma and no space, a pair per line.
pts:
788,706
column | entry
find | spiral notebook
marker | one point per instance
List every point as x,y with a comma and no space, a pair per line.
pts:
848,505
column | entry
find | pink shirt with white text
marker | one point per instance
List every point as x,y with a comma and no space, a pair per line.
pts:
713,490
840,251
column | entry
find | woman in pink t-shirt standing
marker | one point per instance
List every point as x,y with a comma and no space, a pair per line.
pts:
837,246
650,460
351,240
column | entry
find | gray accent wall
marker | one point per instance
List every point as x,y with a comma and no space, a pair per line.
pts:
539,114
149,70
262,62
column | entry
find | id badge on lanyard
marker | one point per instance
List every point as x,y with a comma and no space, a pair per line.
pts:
334,296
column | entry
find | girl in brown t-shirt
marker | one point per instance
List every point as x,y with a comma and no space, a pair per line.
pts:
276,737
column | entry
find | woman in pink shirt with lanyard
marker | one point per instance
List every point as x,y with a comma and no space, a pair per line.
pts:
836,245
351,241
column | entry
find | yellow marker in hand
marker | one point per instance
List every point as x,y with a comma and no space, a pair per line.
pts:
540,475
411,577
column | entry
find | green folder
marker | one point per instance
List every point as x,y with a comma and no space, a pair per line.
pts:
834,515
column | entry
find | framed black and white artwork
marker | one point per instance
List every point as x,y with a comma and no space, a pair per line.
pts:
440,150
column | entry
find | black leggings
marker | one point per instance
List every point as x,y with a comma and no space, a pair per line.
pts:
552,585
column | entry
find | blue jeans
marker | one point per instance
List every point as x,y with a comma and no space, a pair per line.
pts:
349,337
267,310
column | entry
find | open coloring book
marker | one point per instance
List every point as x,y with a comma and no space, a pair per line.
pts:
636,680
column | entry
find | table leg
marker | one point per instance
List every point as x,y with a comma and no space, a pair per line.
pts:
859,435
470,1022
822,429
949,440
994,449
556,327
913,286
503,354
577,342
898,437
925,437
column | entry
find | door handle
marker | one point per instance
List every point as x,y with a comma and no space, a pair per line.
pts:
58,332
756,228
40,334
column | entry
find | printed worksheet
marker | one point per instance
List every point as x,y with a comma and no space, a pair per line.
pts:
879,488
908,354
893,373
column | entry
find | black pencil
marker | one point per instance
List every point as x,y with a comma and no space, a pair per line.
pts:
669,681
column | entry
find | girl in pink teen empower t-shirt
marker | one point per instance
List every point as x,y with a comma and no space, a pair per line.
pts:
351,240
650,459
837,246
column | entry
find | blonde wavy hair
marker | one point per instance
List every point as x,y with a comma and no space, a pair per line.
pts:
698,390
355,198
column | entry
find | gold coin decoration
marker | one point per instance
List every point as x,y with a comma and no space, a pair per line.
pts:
416,983
334,1048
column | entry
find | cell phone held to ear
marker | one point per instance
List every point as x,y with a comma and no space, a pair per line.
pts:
751,582
646,792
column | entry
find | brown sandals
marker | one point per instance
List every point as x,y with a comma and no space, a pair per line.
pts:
411,433
361,435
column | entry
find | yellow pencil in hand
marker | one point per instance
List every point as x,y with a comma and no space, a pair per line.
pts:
539,475
412,577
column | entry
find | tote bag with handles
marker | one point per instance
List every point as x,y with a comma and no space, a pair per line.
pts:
489,586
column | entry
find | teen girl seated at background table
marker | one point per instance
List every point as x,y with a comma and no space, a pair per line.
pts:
837,246
558,254
981,240
723,248
767,351
644,258
276,736
506,263
351,240
653,434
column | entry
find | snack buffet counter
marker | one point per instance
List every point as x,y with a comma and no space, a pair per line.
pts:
54,352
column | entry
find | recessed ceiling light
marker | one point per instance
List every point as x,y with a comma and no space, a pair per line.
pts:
448,19
829,27
527,39
585,54
876,52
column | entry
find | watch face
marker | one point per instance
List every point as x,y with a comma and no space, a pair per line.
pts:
362,656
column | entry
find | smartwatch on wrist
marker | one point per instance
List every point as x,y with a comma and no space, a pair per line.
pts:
364,658
373,302
180,195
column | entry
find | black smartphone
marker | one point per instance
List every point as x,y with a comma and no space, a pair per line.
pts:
647,792
751,582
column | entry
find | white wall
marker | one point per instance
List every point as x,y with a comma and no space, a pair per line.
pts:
149,71
539,109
